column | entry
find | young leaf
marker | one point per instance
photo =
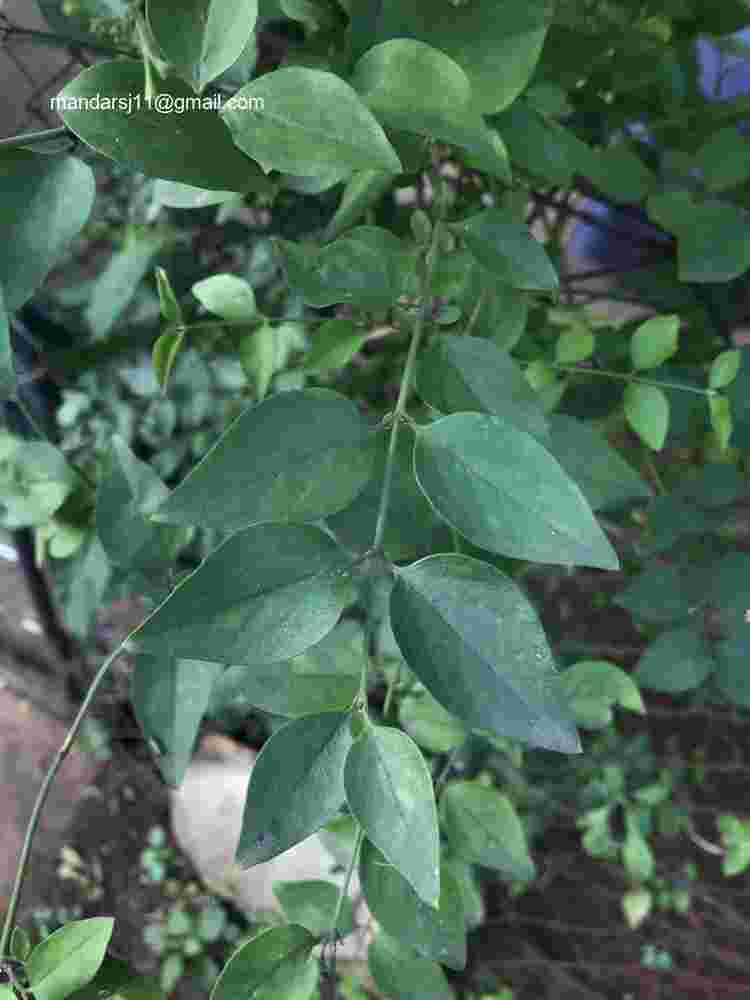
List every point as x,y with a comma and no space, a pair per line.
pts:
313,904
44,203
204,37
468,373
297,786
69,958
194,147
724,369
363,189
258,358
721,419
438,934
474,640
647,412
724,159
636,905
636,853
655,341
227,296
401,975
170,697
593,687
389,791
573,346
429,724
164,354
265,594
483,828
115,979
169,306
20,944
263,962
334,345
503,491
309,120
297,456
173,194
509,252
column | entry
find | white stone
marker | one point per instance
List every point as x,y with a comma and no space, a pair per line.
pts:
206,821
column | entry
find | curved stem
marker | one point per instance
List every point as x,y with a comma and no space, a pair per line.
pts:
29,137
624,376
41,798
398,413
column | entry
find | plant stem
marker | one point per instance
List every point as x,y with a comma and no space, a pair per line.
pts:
41,798
24,140
64,41
339,906
398,413
393,684
624,376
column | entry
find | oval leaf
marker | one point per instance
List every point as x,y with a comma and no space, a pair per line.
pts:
69,958
297,786
265,594
269,959
475,641
193,147
655,341
310,120
298,456
227,296
44,203
438,934
468,373
647,412
506,493
389,791
483,828
508,251
402,975
203,37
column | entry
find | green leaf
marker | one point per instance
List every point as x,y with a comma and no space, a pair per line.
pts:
655,341
169,306
389,791
636,905
471,895
90,573
262,962
508,251
483,827
506,493
297,456
193,147
258,354
227,296
172,194
164,354
713,237
429,724
604,477
573,346
44,203
324,678
721,419
498,54
661,594
499,311
724,159
172,970
438,934
542,147
20,944
334,345
69,958
363,268
647,412
724,369
416,88
204,37
593,687
412,527
401,975
212,920
636,853
474,640
296,787
468,373
265,594
621,174
363,189
115,979
115,287
127,494
310,120
8,381
170,697
676,661
313,904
